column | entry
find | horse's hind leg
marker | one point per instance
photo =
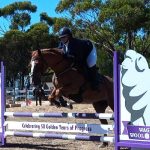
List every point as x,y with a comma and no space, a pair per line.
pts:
100,107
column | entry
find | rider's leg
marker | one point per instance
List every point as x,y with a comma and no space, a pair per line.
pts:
92,58
94,81
93,72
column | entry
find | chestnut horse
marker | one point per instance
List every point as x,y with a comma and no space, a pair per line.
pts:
69,82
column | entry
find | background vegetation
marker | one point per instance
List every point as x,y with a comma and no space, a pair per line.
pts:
110,24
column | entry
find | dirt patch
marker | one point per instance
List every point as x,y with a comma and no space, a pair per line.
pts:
23,143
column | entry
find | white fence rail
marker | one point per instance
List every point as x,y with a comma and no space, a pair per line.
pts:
19,94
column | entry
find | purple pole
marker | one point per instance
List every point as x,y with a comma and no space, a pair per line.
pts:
3,140
116,98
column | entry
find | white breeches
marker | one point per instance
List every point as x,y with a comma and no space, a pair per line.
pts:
92,58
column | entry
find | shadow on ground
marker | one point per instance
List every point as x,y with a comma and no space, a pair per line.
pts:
40,147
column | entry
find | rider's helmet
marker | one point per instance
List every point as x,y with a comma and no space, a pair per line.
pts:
65,31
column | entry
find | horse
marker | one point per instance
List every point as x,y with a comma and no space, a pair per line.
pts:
69,82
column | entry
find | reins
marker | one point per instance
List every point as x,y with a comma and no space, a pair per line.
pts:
56,74
66,70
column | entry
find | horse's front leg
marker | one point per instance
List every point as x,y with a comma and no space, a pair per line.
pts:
61,99
53,98
57,99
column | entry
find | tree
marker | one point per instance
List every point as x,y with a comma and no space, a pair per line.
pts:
55,23
18,14
16,54
39,36
127,18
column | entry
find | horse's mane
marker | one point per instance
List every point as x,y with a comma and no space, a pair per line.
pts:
35,53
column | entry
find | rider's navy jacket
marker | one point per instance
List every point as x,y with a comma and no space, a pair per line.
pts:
80,49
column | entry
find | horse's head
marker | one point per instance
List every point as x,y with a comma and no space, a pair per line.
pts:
38,67
42,59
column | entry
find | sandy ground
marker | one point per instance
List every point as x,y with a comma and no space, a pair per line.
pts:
23,143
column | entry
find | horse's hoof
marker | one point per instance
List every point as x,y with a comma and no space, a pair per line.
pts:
57,104
51,104
70,106
103,145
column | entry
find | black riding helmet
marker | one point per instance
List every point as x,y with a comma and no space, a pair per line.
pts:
65,31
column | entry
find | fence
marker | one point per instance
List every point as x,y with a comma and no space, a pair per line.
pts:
23,94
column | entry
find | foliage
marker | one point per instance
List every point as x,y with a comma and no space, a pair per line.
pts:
18,14
15,53
46,18
38,35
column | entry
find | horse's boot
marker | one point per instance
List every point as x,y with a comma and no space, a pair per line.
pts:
64,103
95,78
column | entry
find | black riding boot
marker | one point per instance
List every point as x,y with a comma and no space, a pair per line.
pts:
95,78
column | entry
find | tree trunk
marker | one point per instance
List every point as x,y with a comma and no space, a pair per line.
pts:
130,40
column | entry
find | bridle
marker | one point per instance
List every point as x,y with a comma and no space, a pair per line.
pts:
58,63
45,63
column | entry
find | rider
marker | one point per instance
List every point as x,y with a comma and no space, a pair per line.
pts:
82,52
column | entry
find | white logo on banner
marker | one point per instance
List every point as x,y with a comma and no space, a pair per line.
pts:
136,87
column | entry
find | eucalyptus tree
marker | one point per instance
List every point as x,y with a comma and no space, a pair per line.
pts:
129,19
55,23
15,41
18,14
39,36
16,55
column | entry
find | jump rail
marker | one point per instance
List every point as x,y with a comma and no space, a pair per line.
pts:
61,136
61,115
